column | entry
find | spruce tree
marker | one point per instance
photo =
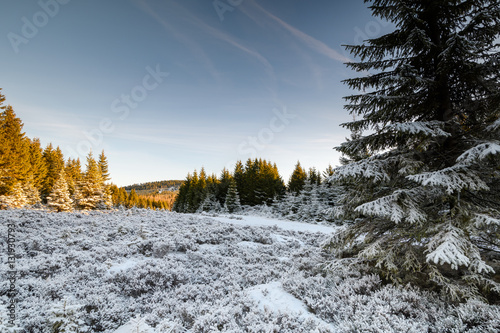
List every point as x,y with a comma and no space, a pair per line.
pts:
16,197
59,199
232,203
38,170
223,186
132,199
181,200
54,160
426,183
103,167
297,179
91,193
2,99
32,194
14,151
74,174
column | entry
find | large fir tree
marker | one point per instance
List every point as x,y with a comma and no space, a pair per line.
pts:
424,191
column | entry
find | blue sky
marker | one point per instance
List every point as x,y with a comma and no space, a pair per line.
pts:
166,87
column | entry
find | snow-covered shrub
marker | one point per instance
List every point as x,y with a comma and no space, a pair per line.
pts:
66,318
186,273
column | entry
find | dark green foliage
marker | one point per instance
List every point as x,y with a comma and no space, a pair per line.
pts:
258,182
222,186
423,187
232,203
155,186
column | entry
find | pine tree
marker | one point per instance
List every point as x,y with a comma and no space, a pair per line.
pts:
297,179
74,174
91,193
313,177
59,199
181,200
103,167
17,197
132,199
2,99
32,194
232,203
223,186
193,196
427,178
38,170
14,151
54,160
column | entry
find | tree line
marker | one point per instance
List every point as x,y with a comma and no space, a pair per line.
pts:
308,195
157,186
32,176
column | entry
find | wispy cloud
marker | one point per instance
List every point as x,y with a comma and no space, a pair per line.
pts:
216,33
193,138
195,48
304,38
205,28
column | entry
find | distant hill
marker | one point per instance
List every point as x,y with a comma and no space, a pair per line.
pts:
153,187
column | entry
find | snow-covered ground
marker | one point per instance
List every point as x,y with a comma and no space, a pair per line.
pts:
257,221
147,271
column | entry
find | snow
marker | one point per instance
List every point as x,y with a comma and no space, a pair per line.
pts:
428,128
250,245
453,179
136,325
367,168
139,270
479,153
286,240
272,297
451,250
128,264
257,221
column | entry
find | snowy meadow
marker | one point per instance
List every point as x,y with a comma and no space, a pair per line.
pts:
156,271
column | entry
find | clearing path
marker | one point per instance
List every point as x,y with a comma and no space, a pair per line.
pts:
257,221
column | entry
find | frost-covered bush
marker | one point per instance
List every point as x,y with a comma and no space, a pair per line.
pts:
100,272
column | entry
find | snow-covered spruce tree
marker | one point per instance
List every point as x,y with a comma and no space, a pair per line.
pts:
232,203
59,199
18,197
425,196
91,193
32,193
